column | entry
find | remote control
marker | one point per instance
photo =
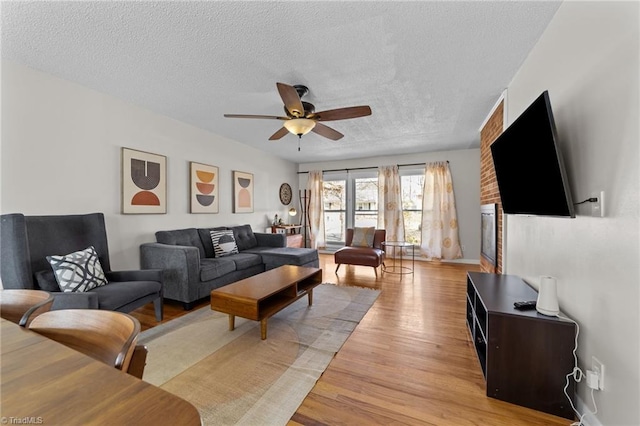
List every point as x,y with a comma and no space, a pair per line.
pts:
525,305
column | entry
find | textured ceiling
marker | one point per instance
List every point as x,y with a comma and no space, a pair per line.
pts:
430,71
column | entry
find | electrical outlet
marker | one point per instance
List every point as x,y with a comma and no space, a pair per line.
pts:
592,380
598,368
597,208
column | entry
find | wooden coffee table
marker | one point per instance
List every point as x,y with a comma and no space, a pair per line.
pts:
264,295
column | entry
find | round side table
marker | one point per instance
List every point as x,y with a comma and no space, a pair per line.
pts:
396,249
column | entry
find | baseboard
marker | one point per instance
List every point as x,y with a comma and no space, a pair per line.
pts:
471,261
589,419
327,250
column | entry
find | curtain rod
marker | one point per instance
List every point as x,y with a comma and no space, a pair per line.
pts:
367,168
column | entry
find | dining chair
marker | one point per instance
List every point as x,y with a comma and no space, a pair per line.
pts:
107,336
138,361
22,306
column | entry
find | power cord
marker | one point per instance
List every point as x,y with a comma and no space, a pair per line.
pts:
578,375
588,200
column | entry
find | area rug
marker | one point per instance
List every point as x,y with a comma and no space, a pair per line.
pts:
234,377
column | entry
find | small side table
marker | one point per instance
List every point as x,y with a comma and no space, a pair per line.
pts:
286,229
292,232
398,267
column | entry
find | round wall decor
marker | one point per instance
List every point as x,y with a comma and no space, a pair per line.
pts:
285,193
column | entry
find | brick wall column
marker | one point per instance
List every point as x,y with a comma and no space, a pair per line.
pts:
488,185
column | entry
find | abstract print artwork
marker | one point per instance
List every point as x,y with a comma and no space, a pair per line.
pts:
144,182
204,188
242,192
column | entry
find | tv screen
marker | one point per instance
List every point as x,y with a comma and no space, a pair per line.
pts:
529,167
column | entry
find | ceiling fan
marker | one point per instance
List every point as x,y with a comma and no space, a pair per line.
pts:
301,117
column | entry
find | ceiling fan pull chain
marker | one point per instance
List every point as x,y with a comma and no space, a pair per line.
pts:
299,137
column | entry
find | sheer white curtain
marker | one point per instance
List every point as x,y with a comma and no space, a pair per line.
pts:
440,238
316,210
390,215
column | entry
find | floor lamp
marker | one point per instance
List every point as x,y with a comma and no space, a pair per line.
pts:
305,202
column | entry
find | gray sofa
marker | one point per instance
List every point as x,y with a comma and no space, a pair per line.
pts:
191,269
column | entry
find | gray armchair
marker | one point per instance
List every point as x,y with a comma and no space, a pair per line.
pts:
26,241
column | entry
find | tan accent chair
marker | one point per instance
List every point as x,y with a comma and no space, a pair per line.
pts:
22,306
363,256
107,336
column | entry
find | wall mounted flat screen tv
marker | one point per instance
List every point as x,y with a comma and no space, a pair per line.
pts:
529,167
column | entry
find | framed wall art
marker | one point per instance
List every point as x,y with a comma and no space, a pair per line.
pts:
144,182
242,192
204,188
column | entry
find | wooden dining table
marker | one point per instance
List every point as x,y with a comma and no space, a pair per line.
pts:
45,382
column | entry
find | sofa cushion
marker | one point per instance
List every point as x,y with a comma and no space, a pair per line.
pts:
47,281
359,256
115,295
181,237
246,260
244,237
270,240
223,243
260,249
210,269
205,239
78,271
289,256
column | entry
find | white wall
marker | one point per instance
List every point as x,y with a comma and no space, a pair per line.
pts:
588,60
61,147
465,172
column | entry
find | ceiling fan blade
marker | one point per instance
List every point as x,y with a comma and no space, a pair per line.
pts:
291,100
342,113
327,132
269,117
279,134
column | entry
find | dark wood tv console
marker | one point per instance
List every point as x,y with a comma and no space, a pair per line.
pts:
525,356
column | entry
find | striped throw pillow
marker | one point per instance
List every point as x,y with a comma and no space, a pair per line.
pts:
224,244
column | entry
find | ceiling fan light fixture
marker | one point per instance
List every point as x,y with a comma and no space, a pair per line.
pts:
301,117
299,126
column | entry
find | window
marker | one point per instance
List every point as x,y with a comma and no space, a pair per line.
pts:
334,194
350,199
411,183
366,196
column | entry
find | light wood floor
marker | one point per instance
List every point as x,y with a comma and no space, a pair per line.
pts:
409,361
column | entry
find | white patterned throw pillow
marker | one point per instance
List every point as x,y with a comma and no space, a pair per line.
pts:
363,237
79,271
224,244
